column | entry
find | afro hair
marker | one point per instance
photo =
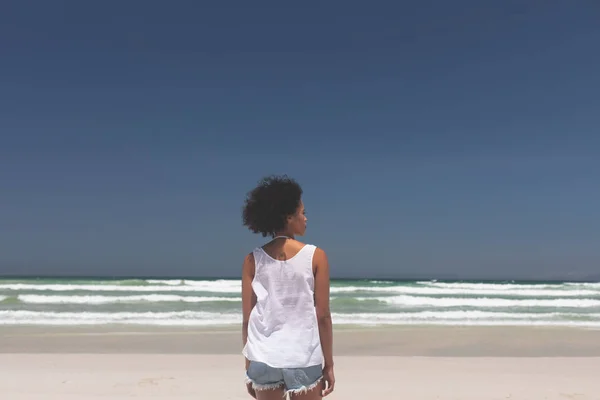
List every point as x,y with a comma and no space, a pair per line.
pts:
268,205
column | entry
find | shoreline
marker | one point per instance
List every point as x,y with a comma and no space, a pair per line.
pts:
406,341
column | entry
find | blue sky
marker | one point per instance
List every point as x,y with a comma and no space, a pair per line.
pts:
432,138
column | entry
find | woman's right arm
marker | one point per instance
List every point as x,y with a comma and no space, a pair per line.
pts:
321,266
248,297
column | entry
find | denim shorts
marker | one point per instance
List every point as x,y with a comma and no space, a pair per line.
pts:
293,380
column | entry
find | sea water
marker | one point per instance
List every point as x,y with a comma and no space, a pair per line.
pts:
197,302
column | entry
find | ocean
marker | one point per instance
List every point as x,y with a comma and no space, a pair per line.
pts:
196,302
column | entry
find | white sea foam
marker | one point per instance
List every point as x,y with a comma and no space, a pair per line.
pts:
459,315
217,285
234,286
406,300
195,318
370,321
594,285
482,302
152,298
466,291
505,286
206,287
22,317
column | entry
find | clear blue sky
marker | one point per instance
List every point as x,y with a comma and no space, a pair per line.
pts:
439,138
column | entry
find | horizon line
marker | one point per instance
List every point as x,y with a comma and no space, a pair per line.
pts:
379,278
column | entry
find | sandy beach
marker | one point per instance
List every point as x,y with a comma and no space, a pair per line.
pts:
396,363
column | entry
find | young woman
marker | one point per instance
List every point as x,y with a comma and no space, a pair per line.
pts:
287,328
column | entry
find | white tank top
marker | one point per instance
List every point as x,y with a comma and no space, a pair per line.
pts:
282,327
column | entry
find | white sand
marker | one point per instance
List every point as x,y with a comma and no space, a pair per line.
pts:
178,377
404,363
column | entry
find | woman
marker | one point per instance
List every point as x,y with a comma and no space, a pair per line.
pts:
287,329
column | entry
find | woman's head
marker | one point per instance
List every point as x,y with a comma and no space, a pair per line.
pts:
275,207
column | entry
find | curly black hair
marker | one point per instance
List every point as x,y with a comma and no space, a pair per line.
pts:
269,204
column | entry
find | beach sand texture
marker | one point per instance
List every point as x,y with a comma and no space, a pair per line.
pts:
400,363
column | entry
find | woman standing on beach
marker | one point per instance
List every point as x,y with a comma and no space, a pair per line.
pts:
287,328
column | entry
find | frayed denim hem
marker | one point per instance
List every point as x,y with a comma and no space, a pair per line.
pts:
288,393
266,386
304,389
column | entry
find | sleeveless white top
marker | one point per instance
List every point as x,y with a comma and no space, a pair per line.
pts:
282,329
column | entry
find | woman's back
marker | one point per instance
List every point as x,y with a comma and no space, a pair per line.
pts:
282,329
286,328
